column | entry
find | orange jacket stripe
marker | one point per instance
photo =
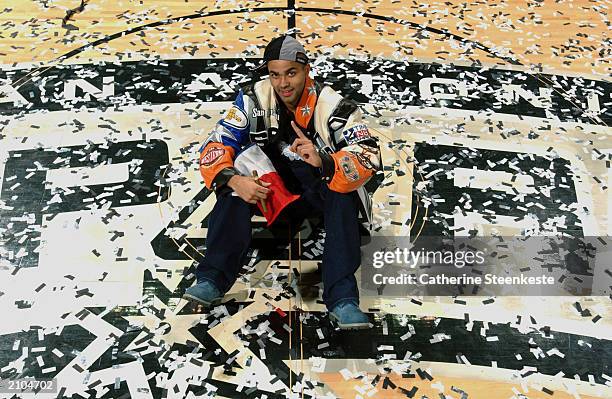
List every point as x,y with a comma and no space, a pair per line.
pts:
305,108
213,158
349,173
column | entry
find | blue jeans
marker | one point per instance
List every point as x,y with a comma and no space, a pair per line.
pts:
229,233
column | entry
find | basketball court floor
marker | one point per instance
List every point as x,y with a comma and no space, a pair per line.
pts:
493,119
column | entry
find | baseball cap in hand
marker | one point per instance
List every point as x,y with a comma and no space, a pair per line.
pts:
283,48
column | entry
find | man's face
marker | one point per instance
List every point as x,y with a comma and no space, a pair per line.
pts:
288,79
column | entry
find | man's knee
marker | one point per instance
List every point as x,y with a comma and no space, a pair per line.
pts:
343,201
230,213
227,201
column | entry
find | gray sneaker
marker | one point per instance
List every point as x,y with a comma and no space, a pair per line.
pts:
348,316
205,293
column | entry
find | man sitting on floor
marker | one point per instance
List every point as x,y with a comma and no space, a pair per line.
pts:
320,148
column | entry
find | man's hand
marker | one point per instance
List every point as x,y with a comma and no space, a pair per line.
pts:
305,148
248,188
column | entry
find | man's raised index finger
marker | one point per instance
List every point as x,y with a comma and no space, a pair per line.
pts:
298,131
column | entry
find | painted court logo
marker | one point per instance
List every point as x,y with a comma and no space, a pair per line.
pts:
512,92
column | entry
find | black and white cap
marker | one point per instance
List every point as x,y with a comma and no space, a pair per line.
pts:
283,48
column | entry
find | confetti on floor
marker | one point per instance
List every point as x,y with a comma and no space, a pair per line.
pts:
493,119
